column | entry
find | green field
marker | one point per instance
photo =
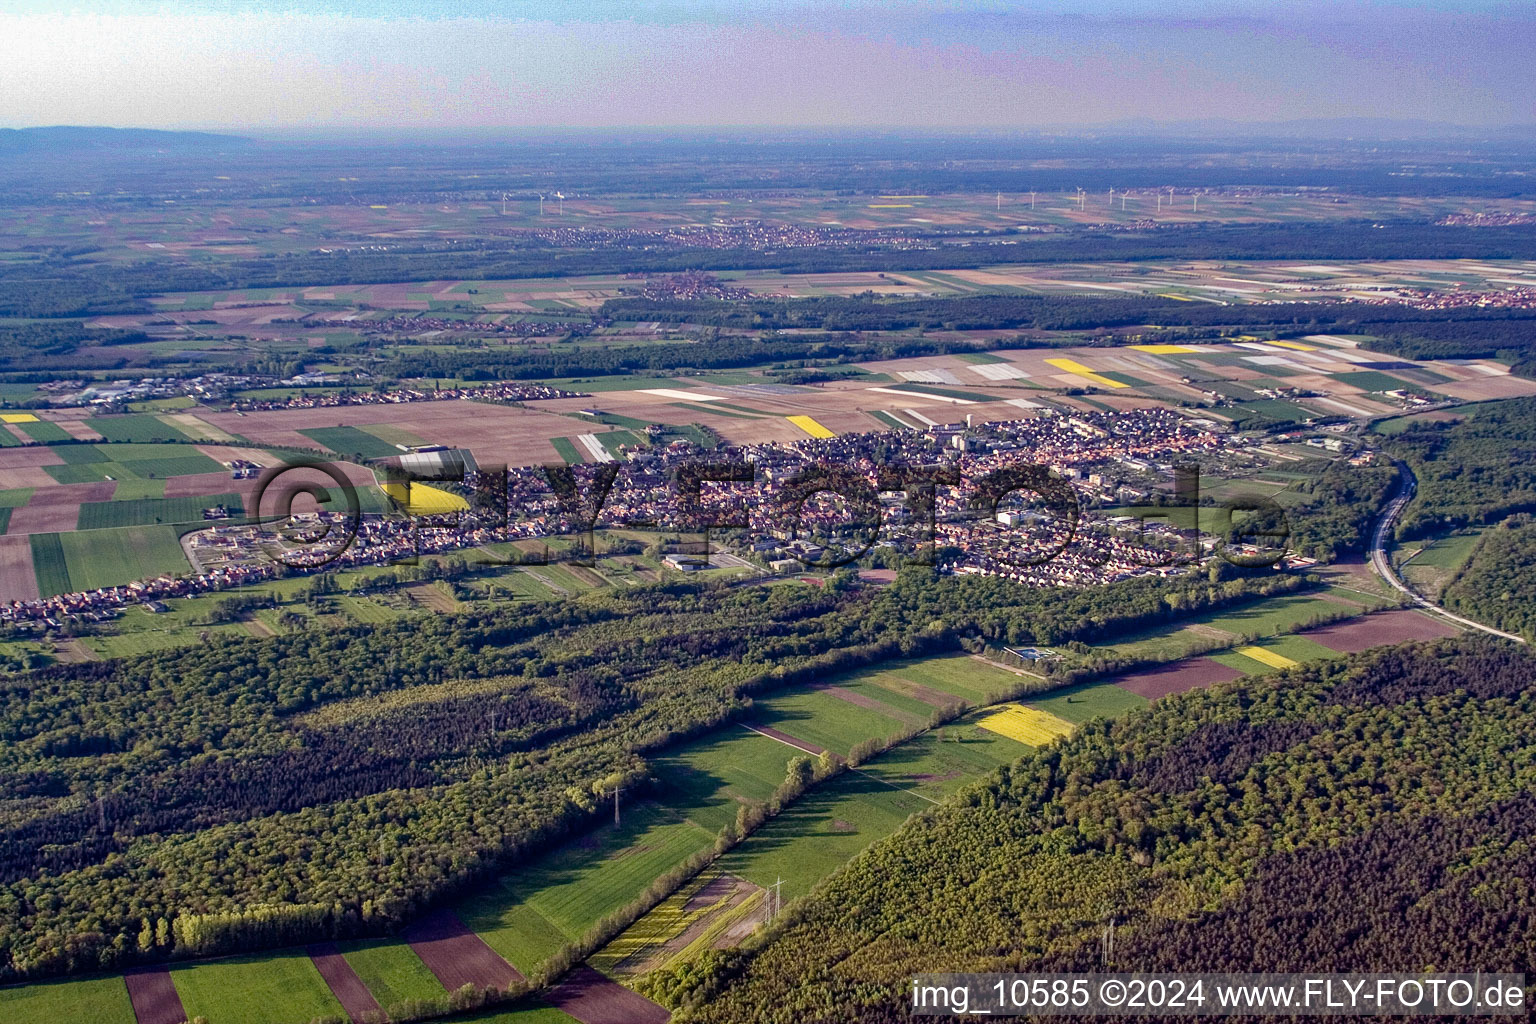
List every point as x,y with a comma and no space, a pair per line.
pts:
1298,648
42,430
567,450
531,913
101,515
1085,702
710,777
367,610
1370,380
391,970
255,989
1437,562
139,427
944,392
15,497
393,435
351,441
1124,378
958,674
887,419
1268,617
89,471
595,384
66,562
819,718
132,488
49,566
93,1000
616,420
83,472
820,832
612,439
184,463
83,454
934,765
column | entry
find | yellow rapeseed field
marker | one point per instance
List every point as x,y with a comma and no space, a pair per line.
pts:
1027,725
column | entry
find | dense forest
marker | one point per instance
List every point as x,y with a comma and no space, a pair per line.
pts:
1498,583
1510,337
1366,814
44,345
1475,471
1334,516
409,759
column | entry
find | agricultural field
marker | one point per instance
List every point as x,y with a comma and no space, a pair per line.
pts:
65,562
255,989
351,442
135,553
820,832
1087,701
529,915
1026,725
97,1000
1267,617
391,970
101,515
1430,566
140,428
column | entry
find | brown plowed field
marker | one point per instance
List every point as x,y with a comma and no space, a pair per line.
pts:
344,983
456,955
495,433
200,484
1392,627
154,996
17,580
593,999
1176,678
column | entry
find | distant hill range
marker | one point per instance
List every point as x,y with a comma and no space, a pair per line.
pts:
72,139
1338,128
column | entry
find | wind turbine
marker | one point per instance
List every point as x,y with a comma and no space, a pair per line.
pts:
1031,200
1081,199
561,196
999,202
503,204
541,204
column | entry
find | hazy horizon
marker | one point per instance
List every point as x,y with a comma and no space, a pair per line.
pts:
910,66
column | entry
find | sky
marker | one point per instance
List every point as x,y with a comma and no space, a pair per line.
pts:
897,64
